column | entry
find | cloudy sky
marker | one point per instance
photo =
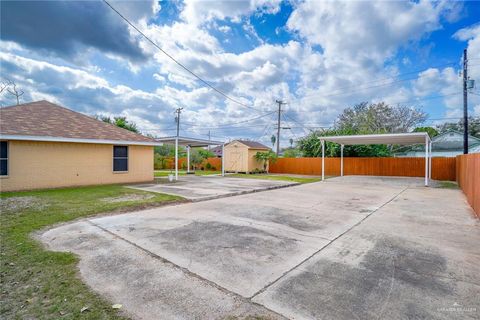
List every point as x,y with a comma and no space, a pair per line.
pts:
318,56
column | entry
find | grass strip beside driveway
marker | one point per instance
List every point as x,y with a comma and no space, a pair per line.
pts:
276,177
165,173
40,284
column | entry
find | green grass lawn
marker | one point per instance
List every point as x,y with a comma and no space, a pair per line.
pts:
40,284
275,177
165,173
447,185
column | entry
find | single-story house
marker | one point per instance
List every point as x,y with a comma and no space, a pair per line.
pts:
447,144
240,156
44,145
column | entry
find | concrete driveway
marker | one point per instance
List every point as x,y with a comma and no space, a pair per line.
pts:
199,188
352,248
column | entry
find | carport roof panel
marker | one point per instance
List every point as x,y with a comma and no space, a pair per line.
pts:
389,138
193,142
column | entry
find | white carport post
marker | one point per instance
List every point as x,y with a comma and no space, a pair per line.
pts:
323,159
188,159
341,160
426,160
176,158
430,161
223,160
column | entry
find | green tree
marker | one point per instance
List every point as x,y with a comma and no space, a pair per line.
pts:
273,139
159,162
206,153
311,146
266,157
432,132
365,118
292,153
120,122
198,156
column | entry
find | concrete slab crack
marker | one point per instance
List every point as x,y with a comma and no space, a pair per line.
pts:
328,244
184,270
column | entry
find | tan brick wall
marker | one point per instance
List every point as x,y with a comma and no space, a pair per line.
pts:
36,165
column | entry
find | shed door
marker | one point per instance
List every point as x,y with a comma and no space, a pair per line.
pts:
236,161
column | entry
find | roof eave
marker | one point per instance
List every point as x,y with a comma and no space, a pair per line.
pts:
387,138
76,140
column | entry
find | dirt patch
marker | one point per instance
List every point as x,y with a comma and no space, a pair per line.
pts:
129,197
15,204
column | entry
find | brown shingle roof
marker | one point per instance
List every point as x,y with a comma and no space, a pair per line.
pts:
46,119
253,144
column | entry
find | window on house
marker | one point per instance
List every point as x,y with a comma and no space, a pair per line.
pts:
120,158
3,158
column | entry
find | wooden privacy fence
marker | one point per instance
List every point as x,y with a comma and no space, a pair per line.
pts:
214,162
442,168
468,178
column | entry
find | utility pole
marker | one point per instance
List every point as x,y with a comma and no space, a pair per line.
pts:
280,102
465,102
209,138
177,119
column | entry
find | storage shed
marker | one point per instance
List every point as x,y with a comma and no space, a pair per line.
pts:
239,156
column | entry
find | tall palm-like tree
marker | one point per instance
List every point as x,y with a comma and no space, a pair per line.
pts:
273,139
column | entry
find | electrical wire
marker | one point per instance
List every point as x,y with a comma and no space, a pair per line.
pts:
234,123
291,127
178,62
361,87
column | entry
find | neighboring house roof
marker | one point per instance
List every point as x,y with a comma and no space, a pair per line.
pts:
449,141
252,144
452,140
46,121
474,149
217,150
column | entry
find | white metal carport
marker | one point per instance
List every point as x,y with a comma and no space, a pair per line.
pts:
190,142
393,138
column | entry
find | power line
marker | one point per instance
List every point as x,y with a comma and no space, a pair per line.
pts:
178,62
428,98
310,127
291,127
361,87
234,123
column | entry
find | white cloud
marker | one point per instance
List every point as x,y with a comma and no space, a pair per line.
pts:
365,31
199,12
357,40
225,29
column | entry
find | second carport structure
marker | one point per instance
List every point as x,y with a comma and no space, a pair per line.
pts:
189,143
387,138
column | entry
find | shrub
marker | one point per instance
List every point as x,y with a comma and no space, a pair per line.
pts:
159,162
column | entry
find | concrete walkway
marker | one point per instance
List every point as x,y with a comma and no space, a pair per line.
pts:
199,188
354,248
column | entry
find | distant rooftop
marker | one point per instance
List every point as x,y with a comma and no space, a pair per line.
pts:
252,144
